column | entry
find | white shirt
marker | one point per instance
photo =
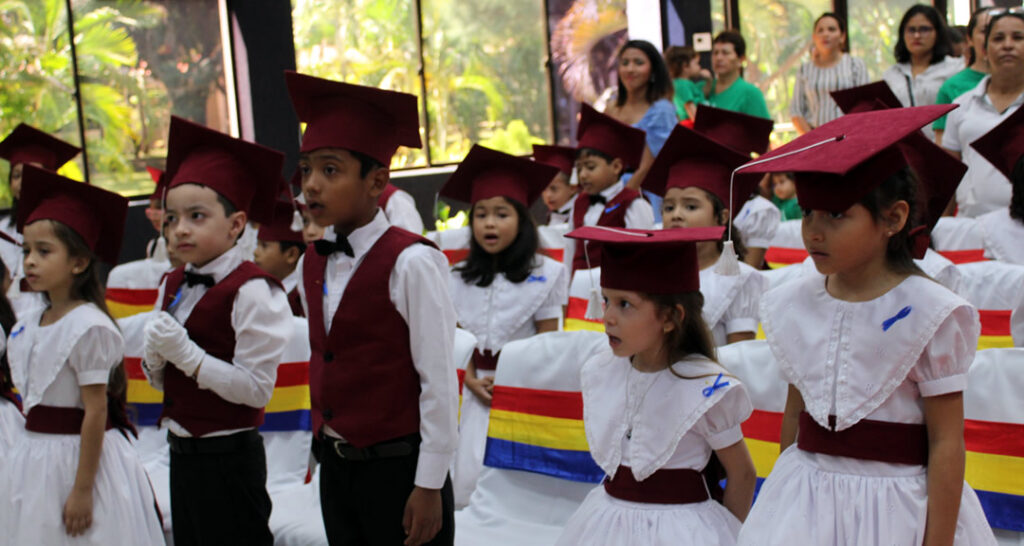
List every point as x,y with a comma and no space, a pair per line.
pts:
144,274
639,215
401,211
923,89
564,214
292,280
758,222
1003,236
505,311
731,302
261,319
984,188
419,289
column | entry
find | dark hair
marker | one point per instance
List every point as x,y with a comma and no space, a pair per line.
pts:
992,22
957,34
676,57
901,186
229,207
584,153
7,321
717,207
366,163
86,286
286,245
942,47
845,48
690,334
971,25
1017,182
660,84
733,37
516,261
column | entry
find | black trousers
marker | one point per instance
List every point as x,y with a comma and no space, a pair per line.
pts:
219,490
362,502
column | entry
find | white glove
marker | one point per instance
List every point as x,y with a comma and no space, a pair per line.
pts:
151,359
170,340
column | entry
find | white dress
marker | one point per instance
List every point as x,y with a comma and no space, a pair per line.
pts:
12,423
48,365
497,314
758,221
648,422
866,360
731,302
1003,236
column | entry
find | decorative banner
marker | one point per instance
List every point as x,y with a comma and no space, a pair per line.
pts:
574,317
125,302
781,257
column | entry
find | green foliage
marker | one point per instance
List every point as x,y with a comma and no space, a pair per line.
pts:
873,32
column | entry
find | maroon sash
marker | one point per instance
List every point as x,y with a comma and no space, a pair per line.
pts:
666,486
900,443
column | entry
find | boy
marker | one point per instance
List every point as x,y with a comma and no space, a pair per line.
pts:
729,90
381,326
689,79
561,193
215,346
606,148
278,251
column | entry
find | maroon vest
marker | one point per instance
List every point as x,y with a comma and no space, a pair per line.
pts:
362,382
295,301
385,195
201,411
614,215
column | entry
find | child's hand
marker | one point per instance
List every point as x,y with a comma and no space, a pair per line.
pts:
422,517
78,512
482,387
169,339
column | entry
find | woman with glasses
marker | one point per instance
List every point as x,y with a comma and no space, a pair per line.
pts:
923,61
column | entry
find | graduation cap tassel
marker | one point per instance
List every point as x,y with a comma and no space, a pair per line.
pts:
296,221
595,307
728,263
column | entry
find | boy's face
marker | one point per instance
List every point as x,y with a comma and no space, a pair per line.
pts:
692,69
155,214
783,186
336,195
310,230
597,174
558,192
198,226
272,259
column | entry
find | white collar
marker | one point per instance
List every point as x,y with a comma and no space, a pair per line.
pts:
221,266
610,192
363,237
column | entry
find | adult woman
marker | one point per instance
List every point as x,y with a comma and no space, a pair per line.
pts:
968,78
644,101
922,54
984,188
830,68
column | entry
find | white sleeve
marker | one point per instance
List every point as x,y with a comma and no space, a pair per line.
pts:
419,290
741,315
401,211
640,215
943,365
96,352
758,222
301,287
720,425
951,136
262,320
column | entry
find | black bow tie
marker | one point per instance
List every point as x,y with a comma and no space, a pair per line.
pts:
597,199
193,279
326,248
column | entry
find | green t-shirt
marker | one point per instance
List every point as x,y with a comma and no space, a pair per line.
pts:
789,207
686,91
956,85
741,96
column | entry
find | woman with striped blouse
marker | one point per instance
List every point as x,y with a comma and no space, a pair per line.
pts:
831,68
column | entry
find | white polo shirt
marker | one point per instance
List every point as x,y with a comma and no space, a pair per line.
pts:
922,89
984,188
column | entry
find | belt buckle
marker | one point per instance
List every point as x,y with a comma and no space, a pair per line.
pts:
337,449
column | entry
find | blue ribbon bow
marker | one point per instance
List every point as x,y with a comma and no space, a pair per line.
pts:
611,208
895,318
18,331
536,278
719,384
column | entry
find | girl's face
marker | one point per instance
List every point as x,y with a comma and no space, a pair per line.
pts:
828,36
634,69
495,224
48,266
688,207
558,192
919,34
310,230
783,186
842,242
634,325
1005,48
691,69
16,173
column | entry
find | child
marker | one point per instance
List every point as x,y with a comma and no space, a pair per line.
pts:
278,252
381,375
876,354
561,193
147,273
784,196
656,406
215,346
11,419
606,149
74,477
400,209
693,173
504,291
1003,146
689,80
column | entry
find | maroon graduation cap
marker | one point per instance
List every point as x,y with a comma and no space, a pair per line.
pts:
1004,144
95,214
248,175
368,120
864,98
652,262
561,157
486,173
610,136
743,133
27,145
280,228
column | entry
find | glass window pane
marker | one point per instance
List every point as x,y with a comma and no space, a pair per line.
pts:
140,62
486,80
717,16
874,29
38,89
365,42
778,36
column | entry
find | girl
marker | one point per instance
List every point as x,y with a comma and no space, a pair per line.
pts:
876,354
657,405
504,291
831,67
74,483
11,420
693,173
1003,146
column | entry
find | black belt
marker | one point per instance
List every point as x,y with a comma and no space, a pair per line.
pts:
400,447
214,445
